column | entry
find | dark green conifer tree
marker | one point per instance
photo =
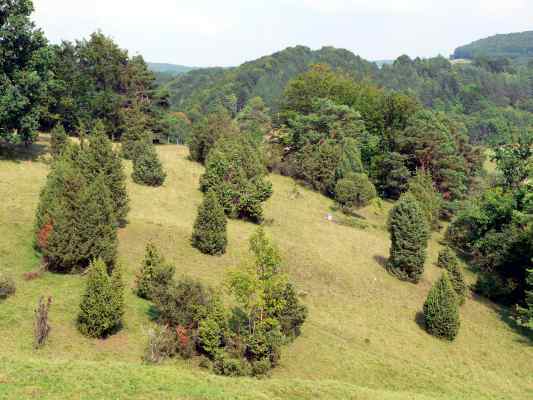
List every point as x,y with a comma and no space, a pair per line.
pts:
58,140
97,222
59,208
100,309
154,274
448,260
409,235
83,225
441,310
100,158
235,170
421,187
135,131
209,234
147,168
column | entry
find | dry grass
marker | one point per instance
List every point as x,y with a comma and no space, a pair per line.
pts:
362,339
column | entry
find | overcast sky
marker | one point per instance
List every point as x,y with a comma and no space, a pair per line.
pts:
229,32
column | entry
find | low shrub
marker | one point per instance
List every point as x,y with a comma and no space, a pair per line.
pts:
356,190
162,344
7,286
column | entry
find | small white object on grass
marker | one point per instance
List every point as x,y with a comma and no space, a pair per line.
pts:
329,217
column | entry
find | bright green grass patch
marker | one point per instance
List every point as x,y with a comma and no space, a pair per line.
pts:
361,340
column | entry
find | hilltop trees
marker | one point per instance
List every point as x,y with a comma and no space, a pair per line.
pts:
95,79
102,304
441,311
24,74
209,233
409,235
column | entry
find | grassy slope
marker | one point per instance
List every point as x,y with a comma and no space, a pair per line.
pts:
361,341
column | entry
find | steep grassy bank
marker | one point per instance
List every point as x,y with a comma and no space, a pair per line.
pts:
361,340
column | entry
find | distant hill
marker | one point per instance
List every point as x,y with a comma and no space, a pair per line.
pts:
265,77
169,68
517,46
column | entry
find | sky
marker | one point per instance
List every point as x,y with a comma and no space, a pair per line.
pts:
230,32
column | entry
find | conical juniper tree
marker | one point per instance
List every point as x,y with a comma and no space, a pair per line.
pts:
83,225
409,235
448,260
135,130
101,307
154,274
209,234
54,189
430,201
97,223
58,140
100,158
441,309
59,210
147,168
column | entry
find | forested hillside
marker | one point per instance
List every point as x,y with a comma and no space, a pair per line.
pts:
265,77
173,69
516,46
494,100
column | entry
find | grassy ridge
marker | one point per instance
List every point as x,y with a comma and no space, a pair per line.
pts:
362,339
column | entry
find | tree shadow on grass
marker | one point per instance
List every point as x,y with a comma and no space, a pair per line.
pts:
347,212
526,334
507,315
19,152
419,319
381,261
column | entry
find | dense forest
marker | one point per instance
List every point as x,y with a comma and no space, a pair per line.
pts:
516,46
412,137
492,98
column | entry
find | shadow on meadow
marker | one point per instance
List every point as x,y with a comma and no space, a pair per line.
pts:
19,152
